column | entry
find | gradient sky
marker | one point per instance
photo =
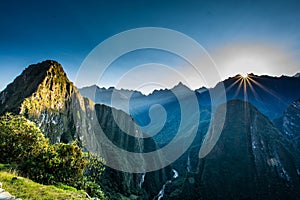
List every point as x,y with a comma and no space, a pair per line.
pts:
262,37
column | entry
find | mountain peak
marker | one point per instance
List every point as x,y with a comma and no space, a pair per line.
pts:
42,67
47,74
181,87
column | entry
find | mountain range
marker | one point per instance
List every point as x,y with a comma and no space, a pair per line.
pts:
271,95
257,155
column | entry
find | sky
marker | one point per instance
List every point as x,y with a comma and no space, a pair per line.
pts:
261,37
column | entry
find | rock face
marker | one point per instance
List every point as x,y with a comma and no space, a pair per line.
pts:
251,160
44,94
126,181
289,123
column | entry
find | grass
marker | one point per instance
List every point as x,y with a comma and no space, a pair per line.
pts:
27,189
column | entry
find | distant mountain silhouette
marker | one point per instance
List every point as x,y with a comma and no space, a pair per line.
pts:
139,106
270,95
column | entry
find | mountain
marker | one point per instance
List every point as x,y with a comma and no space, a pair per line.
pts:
44,94
251,160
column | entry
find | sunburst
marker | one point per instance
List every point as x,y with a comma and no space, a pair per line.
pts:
246,82
244,75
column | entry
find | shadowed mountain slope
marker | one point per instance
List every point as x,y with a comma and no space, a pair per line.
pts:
251,160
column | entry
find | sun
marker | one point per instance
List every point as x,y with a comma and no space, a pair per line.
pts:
244,75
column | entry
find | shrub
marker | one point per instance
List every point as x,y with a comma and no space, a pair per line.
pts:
18,138
59,163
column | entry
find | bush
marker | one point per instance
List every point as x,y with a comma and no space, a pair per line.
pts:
59,163
18,138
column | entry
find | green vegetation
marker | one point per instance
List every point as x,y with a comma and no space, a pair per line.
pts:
63,163
27,189
19,139
24,147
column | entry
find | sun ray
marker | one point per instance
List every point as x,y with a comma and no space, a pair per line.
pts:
233,84
238,89
266,89
245,89
245,81
256,95
253,90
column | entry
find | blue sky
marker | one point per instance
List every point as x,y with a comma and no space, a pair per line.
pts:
241,36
